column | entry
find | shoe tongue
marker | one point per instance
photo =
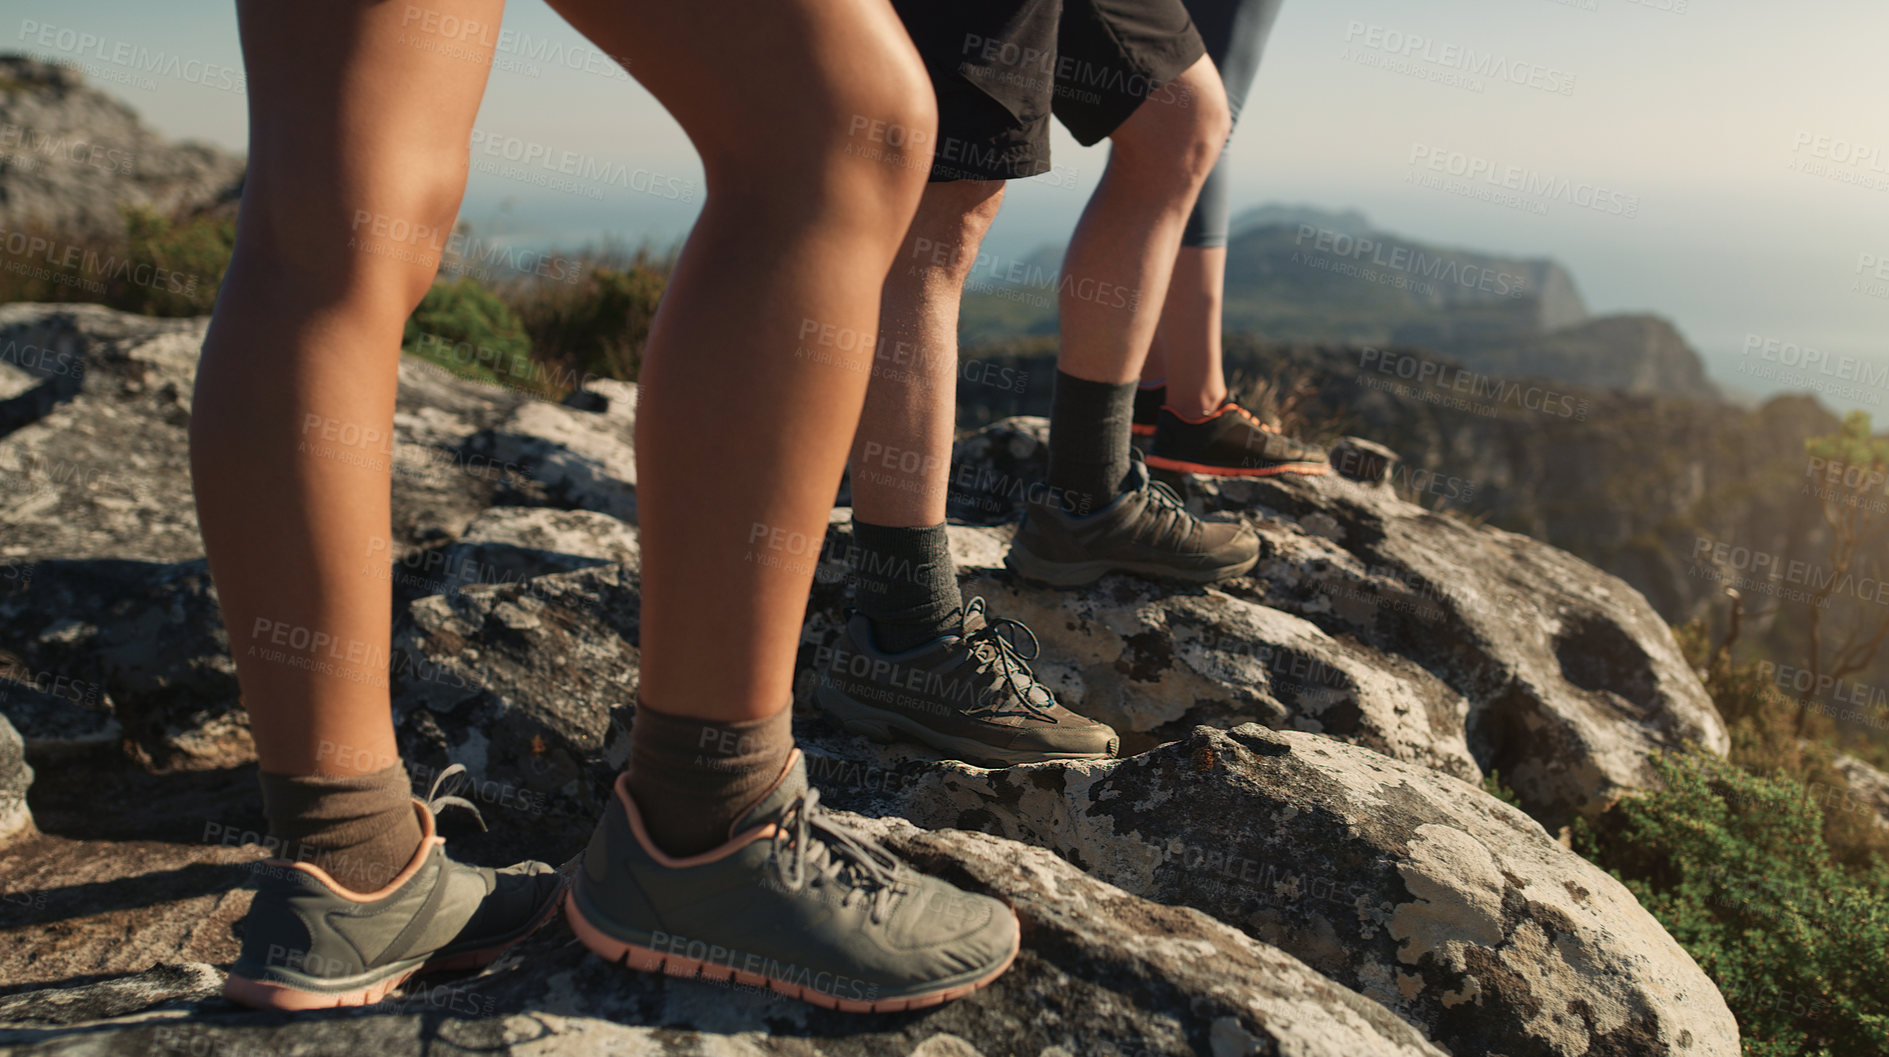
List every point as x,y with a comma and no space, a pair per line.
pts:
792,784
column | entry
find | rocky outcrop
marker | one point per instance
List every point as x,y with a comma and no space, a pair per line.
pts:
1373,619
1868,787
1421,891
72,157
1399,655
1101,972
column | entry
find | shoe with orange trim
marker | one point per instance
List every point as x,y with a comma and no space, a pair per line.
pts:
796,902
309,943
1229,442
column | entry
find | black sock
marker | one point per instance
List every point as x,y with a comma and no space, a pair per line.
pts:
692,778
1089,441
906,584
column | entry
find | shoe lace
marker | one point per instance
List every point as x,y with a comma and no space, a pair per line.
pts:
993,647
1170,512
838,855
435,800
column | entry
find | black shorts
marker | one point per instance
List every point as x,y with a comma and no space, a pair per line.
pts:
1002,67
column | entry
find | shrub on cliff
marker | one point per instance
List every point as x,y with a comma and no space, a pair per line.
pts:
1734,865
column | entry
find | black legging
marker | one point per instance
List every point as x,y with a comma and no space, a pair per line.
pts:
1235,33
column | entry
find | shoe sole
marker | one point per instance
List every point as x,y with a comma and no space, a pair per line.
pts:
267,994
1309,469
644,959
1081,574
884,725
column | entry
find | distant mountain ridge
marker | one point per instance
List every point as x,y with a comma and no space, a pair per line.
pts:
1299,273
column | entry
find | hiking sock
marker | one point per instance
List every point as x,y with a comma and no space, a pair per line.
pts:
906,584
692,778
1089,442
361,829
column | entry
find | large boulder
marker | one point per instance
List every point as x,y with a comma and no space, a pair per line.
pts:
1450,907
1506,652
1101,973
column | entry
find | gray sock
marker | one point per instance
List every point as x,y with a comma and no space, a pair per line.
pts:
906,584
361,829
1089,441
692,778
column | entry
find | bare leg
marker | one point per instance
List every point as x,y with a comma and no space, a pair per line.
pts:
357,162
902,454
768,321
1187,345
1116,271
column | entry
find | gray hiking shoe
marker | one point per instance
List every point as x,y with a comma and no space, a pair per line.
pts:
795,902
1146,530
309,943
971,695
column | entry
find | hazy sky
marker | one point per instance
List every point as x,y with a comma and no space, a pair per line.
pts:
1689,114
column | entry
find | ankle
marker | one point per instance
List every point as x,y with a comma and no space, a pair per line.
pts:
1197,403
693,778
362,830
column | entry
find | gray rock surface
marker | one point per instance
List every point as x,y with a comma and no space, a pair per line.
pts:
1435,649
72,156
1506,654
1421,891
16,777
1101,973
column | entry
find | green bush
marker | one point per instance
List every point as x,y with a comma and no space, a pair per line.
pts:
469,331
176,265
596,327
1734,865
157,266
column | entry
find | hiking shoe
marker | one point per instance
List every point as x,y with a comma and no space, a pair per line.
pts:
1146,530
795,902
1229,442
970,695
1147,409
309,943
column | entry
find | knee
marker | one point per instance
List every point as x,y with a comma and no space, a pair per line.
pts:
852,151
1181,129
384,244
952,219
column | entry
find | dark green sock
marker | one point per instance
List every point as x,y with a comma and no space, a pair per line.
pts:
906,584
1089,441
